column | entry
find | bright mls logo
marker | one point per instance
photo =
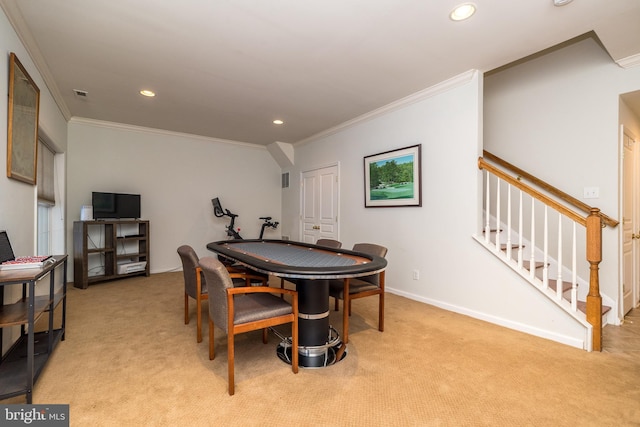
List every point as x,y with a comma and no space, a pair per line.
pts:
36,415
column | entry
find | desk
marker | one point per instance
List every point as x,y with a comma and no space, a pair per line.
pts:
25,360
309,267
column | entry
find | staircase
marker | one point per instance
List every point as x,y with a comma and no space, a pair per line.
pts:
540,270
537,235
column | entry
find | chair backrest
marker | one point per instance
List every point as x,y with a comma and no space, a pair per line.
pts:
219,281
190,260
371,249
329,243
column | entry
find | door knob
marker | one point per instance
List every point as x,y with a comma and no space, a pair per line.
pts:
635,236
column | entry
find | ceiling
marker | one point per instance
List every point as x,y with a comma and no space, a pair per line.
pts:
227,68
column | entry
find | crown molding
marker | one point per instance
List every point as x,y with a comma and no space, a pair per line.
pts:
456,81
142,129
629,61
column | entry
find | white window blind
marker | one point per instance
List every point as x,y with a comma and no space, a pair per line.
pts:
45,177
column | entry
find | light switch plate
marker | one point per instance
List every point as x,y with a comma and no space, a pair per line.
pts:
591,192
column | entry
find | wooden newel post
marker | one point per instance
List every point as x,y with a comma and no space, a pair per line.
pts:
594,256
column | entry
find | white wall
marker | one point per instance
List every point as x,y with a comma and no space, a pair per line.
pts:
177,176
455,271
557,117
17,199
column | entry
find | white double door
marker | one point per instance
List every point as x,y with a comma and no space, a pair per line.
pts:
319,204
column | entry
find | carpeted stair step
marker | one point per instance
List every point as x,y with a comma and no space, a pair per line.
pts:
582,306
538,264
503,246
566,286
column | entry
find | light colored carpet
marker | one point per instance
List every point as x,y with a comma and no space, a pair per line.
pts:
129,360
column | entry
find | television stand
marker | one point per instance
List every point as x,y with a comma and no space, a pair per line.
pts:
102,247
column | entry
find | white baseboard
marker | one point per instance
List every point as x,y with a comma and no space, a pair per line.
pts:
528,329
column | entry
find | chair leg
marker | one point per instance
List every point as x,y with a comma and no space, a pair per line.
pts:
345,323
346,304
336,304
294,345
199,318
186,308
212,353
381,302
230,361
381,312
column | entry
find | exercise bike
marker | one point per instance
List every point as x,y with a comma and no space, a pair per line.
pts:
234,233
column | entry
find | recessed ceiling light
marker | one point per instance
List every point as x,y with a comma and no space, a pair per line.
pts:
561,2
148,93
278,122
462,12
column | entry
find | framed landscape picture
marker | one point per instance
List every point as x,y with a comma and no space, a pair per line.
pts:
393,178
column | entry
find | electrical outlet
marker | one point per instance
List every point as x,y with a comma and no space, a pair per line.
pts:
416,274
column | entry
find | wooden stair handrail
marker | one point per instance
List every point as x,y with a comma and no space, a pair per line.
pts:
549,188
482,164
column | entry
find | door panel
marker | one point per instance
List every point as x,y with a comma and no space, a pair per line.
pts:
630,227
309,190
328,204
319,204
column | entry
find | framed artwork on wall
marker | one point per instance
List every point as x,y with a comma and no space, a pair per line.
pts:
22,126
393,178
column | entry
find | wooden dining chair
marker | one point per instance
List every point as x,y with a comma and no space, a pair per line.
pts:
329,243
195,286
359,287
237,310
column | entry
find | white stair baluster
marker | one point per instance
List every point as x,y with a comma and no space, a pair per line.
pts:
487,210
498,215
545,245
559,285
532,257
520,253
509,221
574,273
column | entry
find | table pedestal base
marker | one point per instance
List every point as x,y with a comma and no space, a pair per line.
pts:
318,356
319,345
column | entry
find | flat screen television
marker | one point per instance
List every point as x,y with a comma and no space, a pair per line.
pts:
115,205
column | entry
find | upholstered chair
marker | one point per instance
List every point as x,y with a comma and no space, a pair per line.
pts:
242,309
360,287
194,285
329,243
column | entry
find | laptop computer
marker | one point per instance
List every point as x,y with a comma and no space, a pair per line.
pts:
8,261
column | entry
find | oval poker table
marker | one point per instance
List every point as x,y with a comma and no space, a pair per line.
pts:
309,267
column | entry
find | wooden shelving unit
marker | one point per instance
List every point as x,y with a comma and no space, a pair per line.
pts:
22,364
100,247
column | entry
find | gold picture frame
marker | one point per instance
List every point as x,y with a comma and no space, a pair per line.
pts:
22,126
